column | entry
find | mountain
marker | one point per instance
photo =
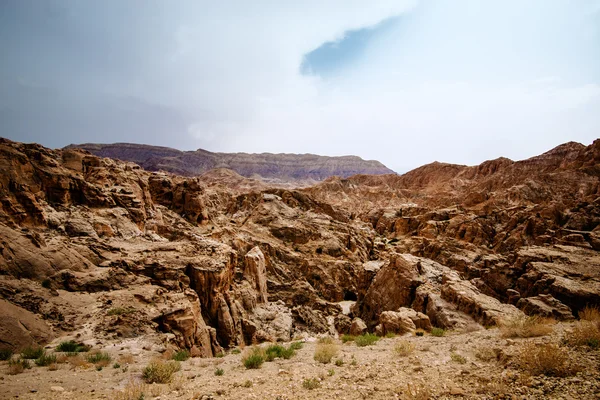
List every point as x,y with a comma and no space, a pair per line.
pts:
265,166
142,264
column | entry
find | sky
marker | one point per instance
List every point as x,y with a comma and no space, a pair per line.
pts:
405,82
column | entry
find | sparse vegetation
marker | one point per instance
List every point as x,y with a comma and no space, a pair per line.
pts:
236,351
134,390
254,358
526,326
438,332
331,372
181,355
296,345
347,338
311,383
18,366
326,340
585,333
219,372
368,339
32,353
160,371
416,392
45,359
339,362
590,313
324,352
390,335
100,359
72,346
403,348
547,359
458,358
247,383
5,354
277,351
116,365
120,311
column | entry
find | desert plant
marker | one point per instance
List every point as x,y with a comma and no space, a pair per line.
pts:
181,355
160,371
100,359
416,392
438,332
32,353
247,383
331,372
18,366
296,345
274,351
134,390
458,358
219,372
311,383
116,365
339,362
236,351
45,359
585,333
6,354
390,335
590,313
254,358
347,338
324,352
547,359
120,311
72,346
526,326
326,340
403,348
367,339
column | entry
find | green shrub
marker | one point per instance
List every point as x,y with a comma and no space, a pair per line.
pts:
439,332
254,358
367,339
219,372
347,338
120,311
236,351
458,358
116,365
72,346
296,345
160,371
5,354
274,351
339,362
310,384
99,357
324,352
45,359
32,353
17,366
181,355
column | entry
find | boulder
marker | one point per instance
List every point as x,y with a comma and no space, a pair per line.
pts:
395,322
358,327
546,306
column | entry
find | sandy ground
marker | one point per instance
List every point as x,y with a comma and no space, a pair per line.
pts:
372,372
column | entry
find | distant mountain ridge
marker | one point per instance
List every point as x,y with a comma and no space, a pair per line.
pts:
266,165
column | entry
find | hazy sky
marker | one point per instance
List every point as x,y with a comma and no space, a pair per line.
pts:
403,82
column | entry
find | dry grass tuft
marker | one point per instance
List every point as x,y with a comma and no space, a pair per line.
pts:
486,354
590,313
160,371
77,361
416,392
312,383
585,333
254,357
126,359
324,352
134,390
546,359
526,326
16,367
403,348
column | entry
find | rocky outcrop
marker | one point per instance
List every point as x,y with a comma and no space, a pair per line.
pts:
21,328
270,166
546,306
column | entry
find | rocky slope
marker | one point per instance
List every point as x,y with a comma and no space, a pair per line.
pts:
274,168
102,251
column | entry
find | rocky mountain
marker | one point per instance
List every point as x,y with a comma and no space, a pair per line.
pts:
273,168
105,252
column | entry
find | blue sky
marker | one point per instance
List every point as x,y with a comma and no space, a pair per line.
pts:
404,82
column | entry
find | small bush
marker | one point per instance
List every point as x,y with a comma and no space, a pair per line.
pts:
326,340
247,383
324,352
99,359
438,332
585,333
368,339
120,311
17,366
331,372
458,358
590,313
133,391
254,358
525,327
417,392
347,338
219,372
274,351
6,354
160,371
116,365
339,362
296,345
236,351
32,353
310,384
45,360
390,335
403,348
181,355
72,346
547,359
